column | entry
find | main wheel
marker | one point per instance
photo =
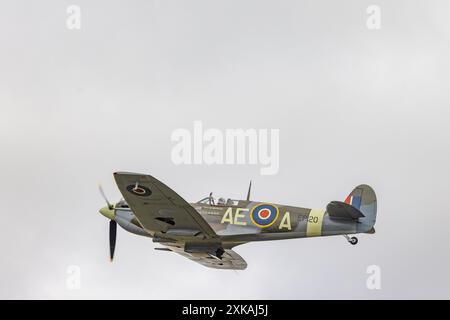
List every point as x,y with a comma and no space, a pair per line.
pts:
353,240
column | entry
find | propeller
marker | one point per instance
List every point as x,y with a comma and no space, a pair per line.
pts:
100,188
112,238
112,225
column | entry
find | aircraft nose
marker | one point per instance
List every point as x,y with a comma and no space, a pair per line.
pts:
107,212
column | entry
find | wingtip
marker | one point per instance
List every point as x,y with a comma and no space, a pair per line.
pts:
126,173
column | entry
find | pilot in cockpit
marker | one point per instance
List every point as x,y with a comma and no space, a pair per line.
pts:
221,202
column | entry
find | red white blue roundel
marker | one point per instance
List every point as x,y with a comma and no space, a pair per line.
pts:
264,215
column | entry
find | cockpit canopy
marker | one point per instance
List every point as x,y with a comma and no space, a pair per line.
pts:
219,202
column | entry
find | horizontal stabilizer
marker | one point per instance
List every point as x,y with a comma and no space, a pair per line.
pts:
342,210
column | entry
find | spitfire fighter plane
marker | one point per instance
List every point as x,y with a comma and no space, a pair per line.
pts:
207,231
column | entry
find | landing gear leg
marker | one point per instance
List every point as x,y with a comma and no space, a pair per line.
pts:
351,240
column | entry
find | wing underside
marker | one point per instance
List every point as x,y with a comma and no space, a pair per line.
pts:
229,260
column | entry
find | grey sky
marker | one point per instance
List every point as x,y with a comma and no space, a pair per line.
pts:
353,106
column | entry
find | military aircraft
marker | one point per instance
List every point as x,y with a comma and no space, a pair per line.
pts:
206,231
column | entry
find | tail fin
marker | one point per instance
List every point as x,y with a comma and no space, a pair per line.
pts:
364,199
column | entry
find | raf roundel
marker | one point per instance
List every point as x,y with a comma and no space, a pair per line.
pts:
264,215
139,190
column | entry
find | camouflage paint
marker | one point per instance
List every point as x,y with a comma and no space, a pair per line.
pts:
206,233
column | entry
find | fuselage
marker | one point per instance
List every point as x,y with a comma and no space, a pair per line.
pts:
242,221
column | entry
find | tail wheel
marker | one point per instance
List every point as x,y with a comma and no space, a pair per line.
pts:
353,240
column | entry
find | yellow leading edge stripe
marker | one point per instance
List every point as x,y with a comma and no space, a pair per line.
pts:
314,226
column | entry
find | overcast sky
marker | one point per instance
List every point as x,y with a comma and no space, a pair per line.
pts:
353,105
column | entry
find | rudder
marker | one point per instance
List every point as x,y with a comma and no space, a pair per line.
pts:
364,199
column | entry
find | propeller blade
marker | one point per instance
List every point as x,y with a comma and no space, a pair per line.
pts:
249,190
100,188
112,238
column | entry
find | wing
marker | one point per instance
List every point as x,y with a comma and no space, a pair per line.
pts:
159,209
230,259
